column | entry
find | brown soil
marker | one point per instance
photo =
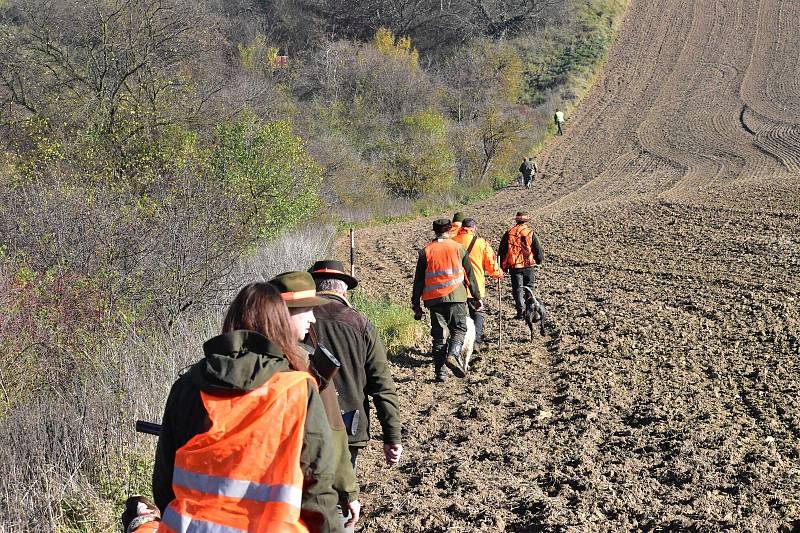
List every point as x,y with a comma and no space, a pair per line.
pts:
669,397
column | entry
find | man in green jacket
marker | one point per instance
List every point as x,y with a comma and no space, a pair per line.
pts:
443,268
365,370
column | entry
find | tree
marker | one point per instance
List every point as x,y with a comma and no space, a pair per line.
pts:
108,80
422,163
267,169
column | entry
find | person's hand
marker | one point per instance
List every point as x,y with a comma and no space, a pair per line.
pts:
417,313
478,305
392,452
355,513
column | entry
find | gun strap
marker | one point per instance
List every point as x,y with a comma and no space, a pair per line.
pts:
471,244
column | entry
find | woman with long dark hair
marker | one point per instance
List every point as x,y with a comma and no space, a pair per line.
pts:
245,442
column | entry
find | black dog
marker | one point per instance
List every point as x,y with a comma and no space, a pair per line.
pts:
534,312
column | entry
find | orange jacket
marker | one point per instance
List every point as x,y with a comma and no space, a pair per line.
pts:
482,259
519,247
443,272
455,227
244,473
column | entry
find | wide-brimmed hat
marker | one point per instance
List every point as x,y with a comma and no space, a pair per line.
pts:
298,289
332,269
522,216
442,225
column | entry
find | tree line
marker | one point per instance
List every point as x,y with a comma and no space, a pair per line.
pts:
148,144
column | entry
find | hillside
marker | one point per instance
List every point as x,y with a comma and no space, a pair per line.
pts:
670,216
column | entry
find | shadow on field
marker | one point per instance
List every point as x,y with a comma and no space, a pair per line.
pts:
411,358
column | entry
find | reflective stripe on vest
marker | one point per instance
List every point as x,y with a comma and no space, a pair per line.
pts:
243,474
237,488
180,523
444,271
520,247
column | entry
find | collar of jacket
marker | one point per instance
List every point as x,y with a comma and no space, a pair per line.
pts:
239,360
335,296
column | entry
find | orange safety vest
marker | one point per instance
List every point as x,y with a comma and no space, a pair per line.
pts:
147,527
520,247
444,271
243,474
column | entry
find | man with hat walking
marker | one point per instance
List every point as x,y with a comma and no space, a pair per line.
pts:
519,251
443,267
458,219
365,369
484,262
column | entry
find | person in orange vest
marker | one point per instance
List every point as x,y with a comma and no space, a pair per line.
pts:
458,219
483,261
519,251
443,267
245,444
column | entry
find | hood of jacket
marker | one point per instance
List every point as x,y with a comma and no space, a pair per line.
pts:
238,361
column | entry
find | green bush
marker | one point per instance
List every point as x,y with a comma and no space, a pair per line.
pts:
423,162
268,169
396,324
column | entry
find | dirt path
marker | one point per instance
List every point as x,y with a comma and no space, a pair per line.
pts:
670,215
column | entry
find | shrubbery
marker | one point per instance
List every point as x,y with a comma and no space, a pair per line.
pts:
396,324
68,452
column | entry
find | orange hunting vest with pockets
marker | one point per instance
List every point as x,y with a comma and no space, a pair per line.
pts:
243,474
444,271
520,247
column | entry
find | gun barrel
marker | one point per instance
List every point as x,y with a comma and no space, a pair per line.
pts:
150,428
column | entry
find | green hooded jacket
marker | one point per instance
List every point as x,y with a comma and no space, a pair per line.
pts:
241,361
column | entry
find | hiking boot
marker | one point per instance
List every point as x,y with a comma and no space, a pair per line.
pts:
454,362
439,370
475,362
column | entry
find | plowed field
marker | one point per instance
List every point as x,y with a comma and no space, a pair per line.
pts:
668,398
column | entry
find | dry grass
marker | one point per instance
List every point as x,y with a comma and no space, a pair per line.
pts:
69,455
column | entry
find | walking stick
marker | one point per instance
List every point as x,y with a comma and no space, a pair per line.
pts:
500,312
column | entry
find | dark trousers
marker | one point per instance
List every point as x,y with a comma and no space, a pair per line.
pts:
446,317
560,130
479,317
520,277
526,180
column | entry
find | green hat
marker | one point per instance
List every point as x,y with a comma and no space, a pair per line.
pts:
459,217
298,289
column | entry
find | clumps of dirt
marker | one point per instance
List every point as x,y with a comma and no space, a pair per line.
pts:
668,396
